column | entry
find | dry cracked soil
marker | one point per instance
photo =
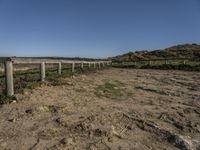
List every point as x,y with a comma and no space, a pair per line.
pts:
119,109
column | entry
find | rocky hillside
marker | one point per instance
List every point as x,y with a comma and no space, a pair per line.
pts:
178,51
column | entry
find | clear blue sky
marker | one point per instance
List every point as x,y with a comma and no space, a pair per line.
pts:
95,28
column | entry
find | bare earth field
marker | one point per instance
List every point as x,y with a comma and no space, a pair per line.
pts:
117,109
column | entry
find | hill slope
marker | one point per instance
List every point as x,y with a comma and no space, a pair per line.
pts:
178,51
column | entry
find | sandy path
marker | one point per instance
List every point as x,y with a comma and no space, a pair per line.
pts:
161,111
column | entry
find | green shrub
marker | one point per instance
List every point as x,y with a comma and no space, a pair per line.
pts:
6,99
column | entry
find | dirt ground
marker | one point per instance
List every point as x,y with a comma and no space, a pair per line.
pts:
117,109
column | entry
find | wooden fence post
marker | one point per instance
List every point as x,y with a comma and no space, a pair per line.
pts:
184,62
73,67
150,62
42,71
82,64
2,67
9,78
59,68
94,65
89,65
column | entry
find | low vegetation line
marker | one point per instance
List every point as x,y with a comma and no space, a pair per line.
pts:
194,66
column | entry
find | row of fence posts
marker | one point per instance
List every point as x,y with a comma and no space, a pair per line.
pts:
166,62
9,72
151,62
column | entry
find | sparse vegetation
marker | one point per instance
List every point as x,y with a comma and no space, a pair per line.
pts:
162,112
113,90
158,108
